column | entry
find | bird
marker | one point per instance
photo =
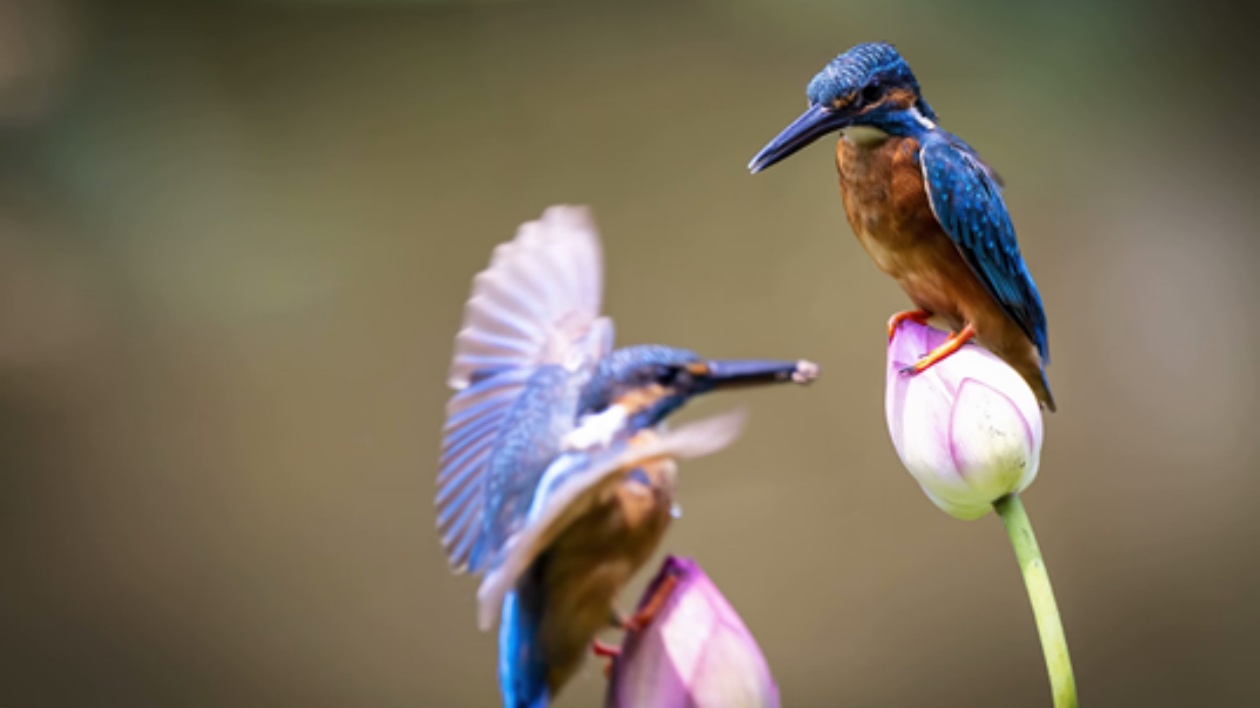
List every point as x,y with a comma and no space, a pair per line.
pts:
595,520
555,481
926,208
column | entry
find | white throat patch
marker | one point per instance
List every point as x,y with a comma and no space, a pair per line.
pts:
596,432
863,135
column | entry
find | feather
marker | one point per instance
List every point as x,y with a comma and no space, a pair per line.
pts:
571,487
536,305
967,202
539,298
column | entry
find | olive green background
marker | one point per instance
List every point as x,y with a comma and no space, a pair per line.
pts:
235,239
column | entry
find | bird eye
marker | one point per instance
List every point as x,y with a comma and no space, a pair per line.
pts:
676,376
870,94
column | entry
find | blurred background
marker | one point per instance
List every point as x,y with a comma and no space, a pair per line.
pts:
236,237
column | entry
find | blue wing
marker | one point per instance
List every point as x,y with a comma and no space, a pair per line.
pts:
529,443
475,418
532,320
967,202
572,487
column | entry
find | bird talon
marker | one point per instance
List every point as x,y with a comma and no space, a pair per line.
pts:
943,352
607,652
604,650
648,611
920,316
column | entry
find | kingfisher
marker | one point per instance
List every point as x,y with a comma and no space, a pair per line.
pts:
556,477
926,209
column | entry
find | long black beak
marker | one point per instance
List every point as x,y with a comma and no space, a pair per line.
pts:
812,125
740,373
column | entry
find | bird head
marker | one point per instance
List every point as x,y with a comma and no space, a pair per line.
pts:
652,381
869,91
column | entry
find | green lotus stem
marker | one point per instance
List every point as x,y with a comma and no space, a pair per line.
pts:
1041,595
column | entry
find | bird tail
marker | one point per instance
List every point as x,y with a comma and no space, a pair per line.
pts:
1046,397
522,668
1035,375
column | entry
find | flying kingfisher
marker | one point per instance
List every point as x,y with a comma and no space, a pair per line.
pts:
556,478
926,209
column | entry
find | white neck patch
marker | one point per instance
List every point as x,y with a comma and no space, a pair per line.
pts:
869,135
922,119
596,432
863,134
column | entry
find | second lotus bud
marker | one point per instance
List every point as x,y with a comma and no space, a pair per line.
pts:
694,652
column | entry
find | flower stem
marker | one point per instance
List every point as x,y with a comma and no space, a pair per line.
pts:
1040,594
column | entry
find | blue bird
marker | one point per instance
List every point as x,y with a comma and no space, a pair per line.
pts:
556,483
925,207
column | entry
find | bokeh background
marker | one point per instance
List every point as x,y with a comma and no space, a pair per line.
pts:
235,239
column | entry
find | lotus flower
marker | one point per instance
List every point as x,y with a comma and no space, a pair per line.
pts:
694,652
969,429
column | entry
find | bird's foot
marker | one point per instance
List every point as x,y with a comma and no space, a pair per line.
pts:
607,652
655,602
637,623
920,316
943,352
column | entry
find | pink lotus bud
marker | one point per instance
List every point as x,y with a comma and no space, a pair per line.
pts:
968,428
694,652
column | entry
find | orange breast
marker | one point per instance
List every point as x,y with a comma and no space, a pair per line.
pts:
885,199
589,564
888,208
887,205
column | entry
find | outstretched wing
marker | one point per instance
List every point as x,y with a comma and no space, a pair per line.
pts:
573,486
967,202
536,307
537,302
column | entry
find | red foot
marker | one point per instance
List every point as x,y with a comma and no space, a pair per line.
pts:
608,652
644,616
941,353
920,316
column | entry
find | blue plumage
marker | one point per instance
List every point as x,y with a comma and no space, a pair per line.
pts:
895,163
969,205
636,367
528,442
522,666
542,436
869,67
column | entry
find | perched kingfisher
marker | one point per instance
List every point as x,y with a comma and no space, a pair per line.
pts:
926,209
556,481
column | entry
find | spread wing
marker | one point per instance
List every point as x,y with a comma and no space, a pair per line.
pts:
967,202
535,309
573,486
